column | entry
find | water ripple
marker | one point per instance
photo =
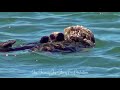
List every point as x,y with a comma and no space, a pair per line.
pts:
24,27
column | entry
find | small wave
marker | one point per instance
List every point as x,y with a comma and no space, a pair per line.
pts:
114,50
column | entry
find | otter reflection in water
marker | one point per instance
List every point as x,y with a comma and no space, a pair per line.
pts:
73,39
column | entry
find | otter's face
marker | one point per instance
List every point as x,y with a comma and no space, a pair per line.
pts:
79,34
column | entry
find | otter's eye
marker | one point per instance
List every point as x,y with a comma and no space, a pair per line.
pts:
83,35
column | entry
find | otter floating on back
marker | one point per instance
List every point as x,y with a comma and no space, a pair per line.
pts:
73,39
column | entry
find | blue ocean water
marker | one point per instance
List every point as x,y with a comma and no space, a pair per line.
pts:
103,61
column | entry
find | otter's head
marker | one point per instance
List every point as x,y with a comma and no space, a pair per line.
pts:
57,36
79,34
44,39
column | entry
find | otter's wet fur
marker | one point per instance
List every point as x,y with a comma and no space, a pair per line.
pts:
73,39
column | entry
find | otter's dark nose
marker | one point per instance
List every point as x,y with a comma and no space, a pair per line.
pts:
44,39
93,39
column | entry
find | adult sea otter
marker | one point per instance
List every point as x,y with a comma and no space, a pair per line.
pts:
73,39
